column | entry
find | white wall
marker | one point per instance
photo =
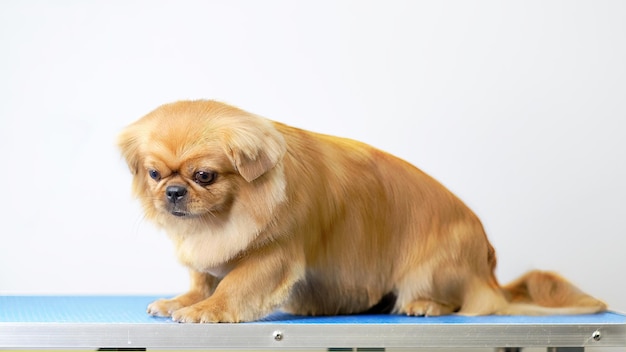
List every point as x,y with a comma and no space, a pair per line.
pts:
518,107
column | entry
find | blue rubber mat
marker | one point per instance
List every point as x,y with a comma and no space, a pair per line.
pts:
132,309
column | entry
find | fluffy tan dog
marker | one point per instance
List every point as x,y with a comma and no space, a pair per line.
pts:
268,216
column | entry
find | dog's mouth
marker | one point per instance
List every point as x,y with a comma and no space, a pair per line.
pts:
179,213
183,211
178,210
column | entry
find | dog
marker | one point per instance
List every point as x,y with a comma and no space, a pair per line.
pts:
268,216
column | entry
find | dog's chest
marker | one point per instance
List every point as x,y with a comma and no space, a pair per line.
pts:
210,249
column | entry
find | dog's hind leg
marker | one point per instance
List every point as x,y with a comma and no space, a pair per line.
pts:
426,307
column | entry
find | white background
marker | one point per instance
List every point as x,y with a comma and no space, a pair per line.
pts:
518,107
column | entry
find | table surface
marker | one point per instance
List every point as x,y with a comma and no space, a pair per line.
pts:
121,321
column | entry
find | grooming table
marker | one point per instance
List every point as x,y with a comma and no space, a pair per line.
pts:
121,323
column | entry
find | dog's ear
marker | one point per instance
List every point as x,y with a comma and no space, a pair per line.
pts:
128,143
254,146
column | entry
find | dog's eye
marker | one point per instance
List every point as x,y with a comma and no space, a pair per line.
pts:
154,174
205,177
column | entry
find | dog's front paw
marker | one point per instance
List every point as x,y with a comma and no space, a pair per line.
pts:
203,313
164,307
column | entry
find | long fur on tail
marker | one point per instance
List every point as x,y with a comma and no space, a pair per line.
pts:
547,293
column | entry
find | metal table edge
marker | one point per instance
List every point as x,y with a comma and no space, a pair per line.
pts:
276,335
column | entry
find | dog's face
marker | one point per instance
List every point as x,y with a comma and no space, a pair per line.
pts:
200,182
191,161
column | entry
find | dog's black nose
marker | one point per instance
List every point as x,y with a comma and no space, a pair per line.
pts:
175,193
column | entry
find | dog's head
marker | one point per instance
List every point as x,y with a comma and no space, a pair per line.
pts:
198,159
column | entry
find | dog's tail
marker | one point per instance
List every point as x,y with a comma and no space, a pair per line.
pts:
547,293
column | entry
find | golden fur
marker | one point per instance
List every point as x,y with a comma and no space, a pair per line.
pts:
268,216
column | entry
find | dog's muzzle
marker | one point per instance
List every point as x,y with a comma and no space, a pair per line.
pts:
176,196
